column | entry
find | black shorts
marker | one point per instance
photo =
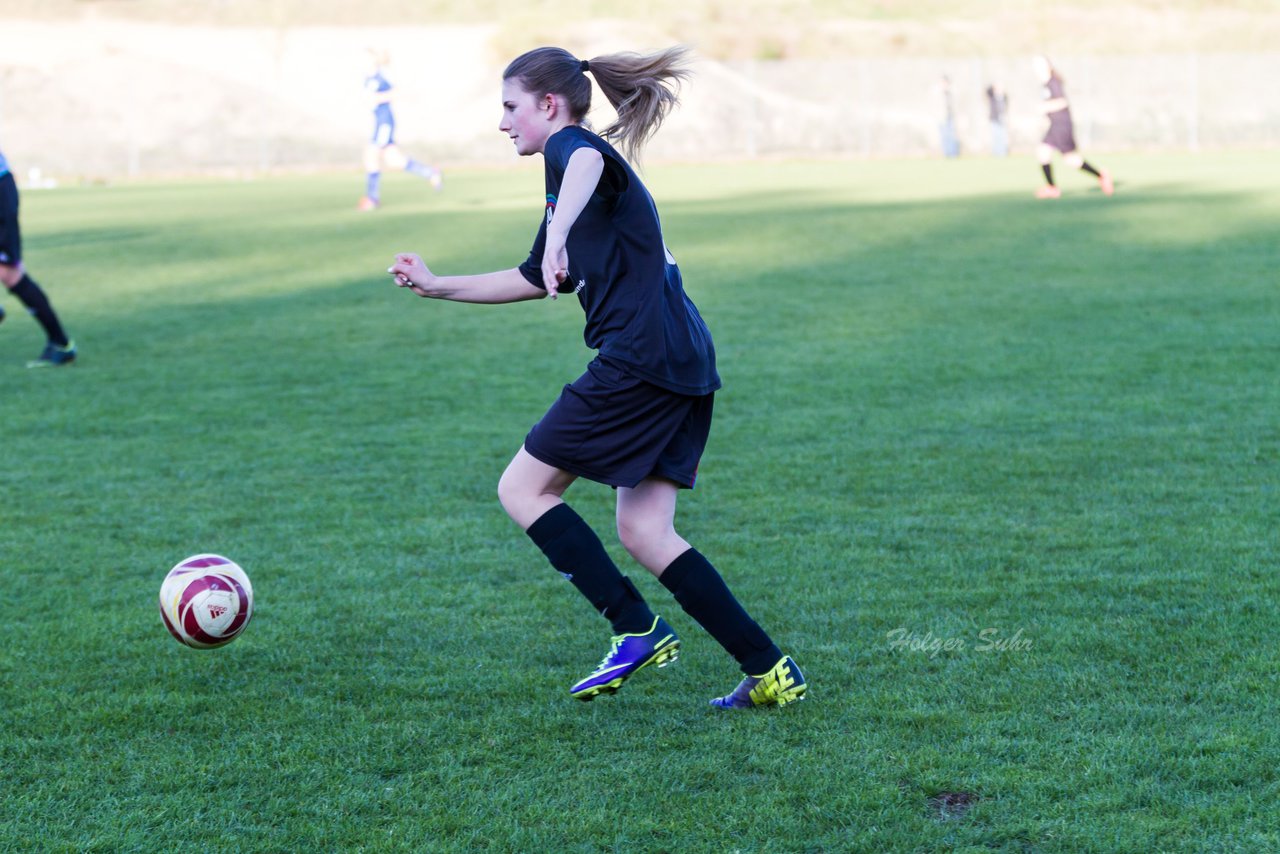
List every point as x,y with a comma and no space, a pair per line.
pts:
10,234
1060,135
613,428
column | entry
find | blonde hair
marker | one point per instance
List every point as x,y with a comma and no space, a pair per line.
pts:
643,88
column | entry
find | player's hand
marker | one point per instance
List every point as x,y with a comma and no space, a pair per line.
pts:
555,265
410,272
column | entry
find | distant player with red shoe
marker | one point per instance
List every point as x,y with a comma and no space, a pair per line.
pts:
382,149
1060,135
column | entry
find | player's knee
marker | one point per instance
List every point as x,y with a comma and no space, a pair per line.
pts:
517,497
10,274
629,537
640,536
509,494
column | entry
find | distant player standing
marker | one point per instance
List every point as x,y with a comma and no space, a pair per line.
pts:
382,148
1060,135
639,418
58,350
998,118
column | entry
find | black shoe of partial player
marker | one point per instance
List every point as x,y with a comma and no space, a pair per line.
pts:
54,356
1,314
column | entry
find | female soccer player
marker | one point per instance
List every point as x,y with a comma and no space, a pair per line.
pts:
58,350
638,419
382,146
1061,134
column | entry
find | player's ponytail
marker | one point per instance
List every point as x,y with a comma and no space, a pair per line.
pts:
643,88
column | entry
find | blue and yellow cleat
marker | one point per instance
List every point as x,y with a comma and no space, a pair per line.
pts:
54,356
628,654
783,684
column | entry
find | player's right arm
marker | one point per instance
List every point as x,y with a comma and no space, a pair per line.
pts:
499,287
379,90
1053,105
1055,99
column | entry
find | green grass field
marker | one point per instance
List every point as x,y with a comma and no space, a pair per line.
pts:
952,415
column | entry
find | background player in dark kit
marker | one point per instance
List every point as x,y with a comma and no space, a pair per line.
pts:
58,349
1060,135
638,419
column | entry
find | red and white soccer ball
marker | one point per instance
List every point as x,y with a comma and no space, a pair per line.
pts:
206,601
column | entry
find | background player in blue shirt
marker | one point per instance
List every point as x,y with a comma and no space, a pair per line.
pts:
1060,135
382,148
639,418
58,350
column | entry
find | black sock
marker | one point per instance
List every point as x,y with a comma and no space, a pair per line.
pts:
1085,167
1048,173
704,596
33,298
575,550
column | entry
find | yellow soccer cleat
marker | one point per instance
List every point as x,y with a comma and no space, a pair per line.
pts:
783,684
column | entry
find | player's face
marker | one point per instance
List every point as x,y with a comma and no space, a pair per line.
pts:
524,119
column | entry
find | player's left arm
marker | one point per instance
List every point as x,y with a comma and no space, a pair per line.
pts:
581,177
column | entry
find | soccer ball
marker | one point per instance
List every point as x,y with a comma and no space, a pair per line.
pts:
206,601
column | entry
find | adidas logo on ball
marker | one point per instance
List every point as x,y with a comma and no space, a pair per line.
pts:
206,601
